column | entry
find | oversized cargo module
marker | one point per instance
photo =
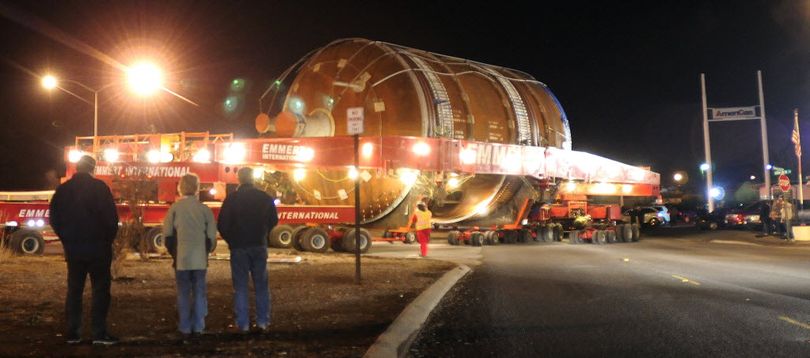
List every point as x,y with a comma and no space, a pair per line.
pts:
403,91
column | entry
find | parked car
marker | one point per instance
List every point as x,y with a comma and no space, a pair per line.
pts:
653,215
747,217
711,221
663,213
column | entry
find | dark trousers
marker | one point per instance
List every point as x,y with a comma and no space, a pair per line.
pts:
99,271
245,263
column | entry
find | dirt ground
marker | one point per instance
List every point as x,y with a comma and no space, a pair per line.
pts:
317,309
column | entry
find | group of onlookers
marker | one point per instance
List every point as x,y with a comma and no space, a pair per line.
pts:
84,216
777,218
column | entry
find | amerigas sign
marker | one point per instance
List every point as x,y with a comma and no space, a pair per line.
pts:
733,113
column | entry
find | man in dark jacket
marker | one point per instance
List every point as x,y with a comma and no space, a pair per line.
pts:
83,215
247,215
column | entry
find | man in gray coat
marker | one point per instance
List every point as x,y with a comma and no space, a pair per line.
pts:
193,226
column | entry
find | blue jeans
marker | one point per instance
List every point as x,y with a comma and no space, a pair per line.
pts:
192,300
250,261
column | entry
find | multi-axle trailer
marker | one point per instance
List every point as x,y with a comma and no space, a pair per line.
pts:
156,163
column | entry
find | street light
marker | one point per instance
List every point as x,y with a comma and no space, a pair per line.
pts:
144,79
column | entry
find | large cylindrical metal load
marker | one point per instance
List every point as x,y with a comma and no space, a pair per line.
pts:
409,92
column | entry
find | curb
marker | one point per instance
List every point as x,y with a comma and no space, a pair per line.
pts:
396,340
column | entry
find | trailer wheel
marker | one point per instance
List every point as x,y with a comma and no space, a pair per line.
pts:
611,236
155,242
491,237
452,237
315,239
636,232
627,232
409,237
510,236
349,244
524,236
573,237
557,232
619,230
477,238
297,233
280,237
27,242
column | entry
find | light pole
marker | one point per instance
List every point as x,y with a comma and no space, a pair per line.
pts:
50,82
144,79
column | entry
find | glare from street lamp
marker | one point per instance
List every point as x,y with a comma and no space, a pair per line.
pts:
753,177
678,177
49,82
145,78
704,167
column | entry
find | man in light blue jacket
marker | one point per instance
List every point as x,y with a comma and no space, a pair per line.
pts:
192,224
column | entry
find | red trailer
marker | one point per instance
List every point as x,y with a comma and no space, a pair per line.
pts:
156,163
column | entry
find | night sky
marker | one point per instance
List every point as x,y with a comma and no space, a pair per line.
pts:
626,73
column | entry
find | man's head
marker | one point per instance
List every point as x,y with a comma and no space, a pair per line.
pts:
189,184
86,164
421,206
245,175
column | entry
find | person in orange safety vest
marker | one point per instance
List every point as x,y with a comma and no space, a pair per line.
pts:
421,219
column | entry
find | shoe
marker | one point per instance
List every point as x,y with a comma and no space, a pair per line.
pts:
262,329
73,339
107,340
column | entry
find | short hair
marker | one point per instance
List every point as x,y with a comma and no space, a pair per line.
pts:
421,206
245,175
86,164
189,184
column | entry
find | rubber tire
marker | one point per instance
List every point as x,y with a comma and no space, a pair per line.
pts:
27,242
155,241
280,237
712,226
409,237
477,238
611,236
315,239
296,237
510,236
348,241
452,237
573,237
551,234
596,238
491,237
557,232
654,223
627,236
618,229
636,233
521,236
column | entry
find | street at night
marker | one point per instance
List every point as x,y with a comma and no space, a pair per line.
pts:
718,294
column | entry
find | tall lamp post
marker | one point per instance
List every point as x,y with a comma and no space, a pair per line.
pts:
144,79
50,82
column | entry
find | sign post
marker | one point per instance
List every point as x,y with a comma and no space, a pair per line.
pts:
734,114
354,127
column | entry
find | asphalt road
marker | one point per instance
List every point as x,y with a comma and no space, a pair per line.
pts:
721,294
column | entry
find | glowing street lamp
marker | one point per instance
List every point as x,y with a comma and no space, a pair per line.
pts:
678,177
145,78
49,82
